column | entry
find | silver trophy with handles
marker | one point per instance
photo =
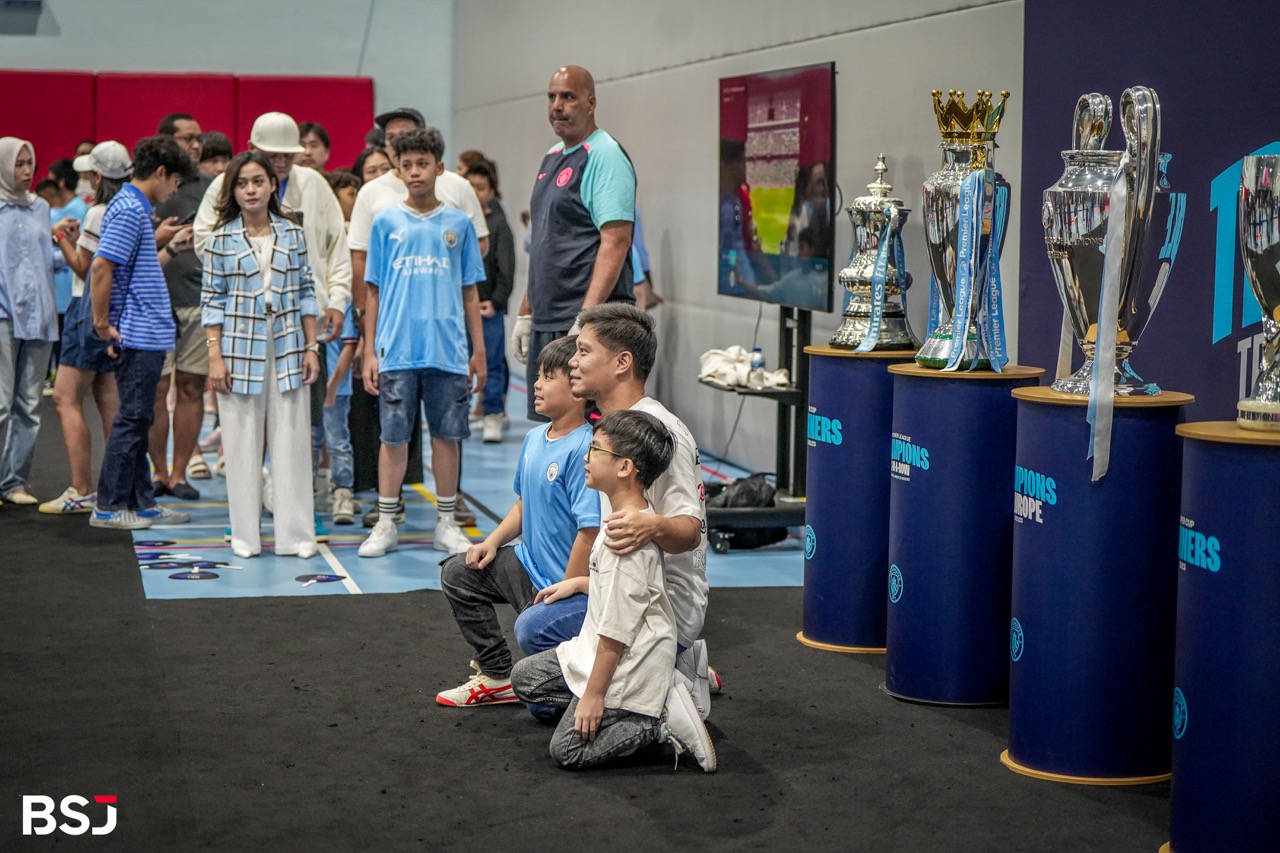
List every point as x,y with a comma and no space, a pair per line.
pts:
1078,217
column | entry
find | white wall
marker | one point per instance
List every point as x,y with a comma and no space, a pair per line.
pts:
657,70
405,45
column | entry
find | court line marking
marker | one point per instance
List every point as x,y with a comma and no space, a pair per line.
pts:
338,569
431,499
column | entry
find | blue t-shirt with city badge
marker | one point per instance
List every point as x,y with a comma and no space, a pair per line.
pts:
420,262
552,483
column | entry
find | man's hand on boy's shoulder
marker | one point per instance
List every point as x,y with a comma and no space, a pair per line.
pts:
630,530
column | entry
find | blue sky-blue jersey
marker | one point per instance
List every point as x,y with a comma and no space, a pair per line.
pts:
552,482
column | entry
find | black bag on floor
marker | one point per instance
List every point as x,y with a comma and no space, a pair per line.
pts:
745,492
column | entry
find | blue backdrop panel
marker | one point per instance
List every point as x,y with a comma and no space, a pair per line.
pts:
1226,747
951,459
1091,634
847,512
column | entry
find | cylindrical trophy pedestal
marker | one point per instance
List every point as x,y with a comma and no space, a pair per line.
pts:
1226,746
847,508
951,460
1091,634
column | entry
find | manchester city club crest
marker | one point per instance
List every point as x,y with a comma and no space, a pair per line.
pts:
451,238
1179,713
1016,640
552,470
810,542
895,584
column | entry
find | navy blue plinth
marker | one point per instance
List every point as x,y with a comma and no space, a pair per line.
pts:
951,461
847,510
1090,641
1226,697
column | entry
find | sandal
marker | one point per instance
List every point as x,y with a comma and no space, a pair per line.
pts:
198,469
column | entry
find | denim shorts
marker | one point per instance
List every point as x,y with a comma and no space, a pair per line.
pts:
81,346
445,399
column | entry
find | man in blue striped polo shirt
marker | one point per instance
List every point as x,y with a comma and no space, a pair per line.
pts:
131,311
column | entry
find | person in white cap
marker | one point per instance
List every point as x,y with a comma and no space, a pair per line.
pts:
306,194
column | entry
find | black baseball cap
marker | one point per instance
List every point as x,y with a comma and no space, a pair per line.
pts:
400,112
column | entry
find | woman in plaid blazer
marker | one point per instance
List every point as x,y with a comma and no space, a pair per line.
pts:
259,311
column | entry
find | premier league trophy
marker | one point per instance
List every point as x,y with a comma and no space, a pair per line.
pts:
1096,221
1260,246
876,317
965,213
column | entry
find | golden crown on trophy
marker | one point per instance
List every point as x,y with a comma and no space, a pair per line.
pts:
978,123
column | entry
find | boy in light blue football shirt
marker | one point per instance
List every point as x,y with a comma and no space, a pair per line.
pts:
422,265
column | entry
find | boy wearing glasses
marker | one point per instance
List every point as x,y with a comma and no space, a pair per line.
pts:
556,516
614,679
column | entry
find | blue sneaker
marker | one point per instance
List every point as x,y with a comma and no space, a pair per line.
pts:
164,515
121,519
322,532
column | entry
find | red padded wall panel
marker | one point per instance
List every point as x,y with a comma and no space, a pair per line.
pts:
130,106
344,105
53,110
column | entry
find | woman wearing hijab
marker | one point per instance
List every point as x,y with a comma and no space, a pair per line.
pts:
259,314
28,319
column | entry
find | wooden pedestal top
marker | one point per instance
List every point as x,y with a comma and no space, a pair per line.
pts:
1011,372
840,352
1228,432
1045,394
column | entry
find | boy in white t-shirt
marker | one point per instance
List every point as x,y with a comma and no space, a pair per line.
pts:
614,679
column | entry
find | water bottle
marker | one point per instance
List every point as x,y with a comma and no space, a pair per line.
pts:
755,377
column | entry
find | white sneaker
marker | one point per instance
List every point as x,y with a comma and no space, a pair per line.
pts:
320,489
70,501
383,539
479,690
121,519
492,429
450,538
344,506
692,666
683,729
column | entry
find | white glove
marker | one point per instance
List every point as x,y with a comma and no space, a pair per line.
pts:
520,337
575,329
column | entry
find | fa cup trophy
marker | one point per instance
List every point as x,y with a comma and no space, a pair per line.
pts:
876,317
1260,246
965,213
1096,221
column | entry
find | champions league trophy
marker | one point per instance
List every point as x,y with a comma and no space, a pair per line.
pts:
965,213
1096,221
876,278
1260,246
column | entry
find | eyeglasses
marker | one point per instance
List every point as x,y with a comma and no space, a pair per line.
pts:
187,138
596,447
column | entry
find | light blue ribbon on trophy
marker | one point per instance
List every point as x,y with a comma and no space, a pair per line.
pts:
991,319
890,240
1102,382
935,308
969,234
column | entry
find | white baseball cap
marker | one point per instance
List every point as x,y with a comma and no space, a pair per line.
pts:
109,159
275,133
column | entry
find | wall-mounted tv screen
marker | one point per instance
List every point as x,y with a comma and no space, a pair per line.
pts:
777,186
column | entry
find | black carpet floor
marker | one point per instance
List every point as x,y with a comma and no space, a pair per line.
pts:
309,724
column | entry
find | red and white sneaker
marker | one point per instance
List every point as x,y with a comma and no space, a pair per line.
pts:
713,677
479,690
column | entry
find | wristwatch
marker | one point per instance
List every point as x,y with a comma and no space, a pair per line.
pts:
314,346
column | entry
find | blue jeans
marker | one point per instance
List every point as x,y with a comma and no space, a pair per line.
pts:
494,399
337,434
125,479
544,626
24,365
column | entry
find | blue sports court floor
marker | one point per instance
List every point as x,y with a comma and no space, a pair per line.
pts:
194,561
